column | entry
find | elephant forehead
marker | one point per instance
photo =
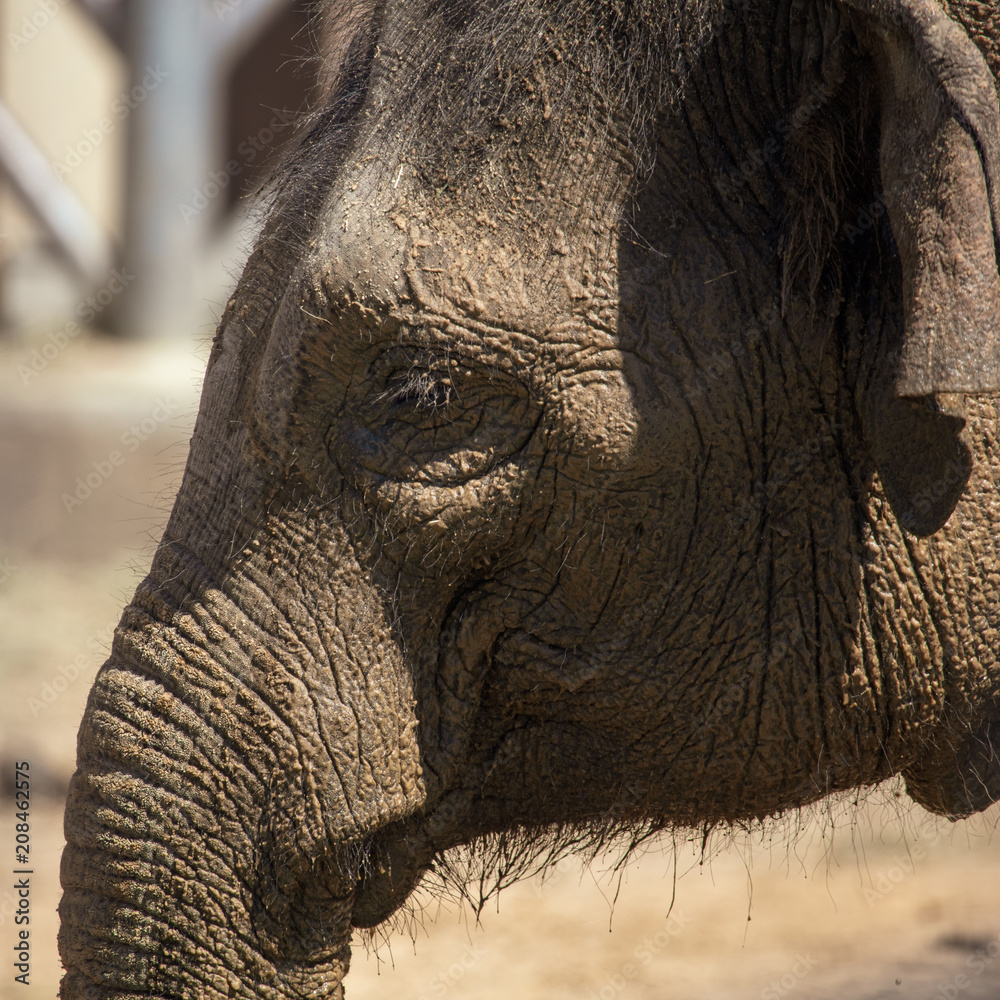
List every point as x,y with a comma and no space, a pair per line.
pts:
394,244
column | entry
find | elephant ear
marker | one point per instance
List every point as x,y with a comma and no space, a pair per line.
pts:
940,167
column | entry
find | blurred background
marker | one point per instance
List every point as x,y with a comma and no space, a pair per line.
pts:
133,135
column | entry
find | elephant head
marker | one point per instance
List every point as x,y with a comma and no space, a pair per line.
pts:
601,438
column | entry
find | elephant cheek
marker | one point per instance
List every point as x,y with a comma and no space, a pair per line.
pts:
600,422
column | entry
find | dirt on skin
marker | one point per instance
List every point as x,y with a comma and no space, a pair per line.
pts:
867,902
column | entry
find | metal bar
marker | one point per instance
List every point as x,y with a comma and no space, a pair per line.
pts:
239,22
110,17
173,179
78,238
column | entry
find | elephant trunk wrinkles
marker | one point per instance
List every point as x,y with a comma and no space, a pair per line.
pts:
212,850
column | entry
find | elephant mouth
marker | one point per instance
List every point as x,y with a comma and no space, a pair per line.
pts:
400,854
397,858
960,776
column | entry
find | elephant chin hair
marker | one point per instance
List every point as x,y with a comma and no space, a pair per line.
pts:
473,874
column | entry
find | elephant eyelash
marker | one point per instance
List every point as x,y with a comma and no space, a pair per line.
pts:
422,390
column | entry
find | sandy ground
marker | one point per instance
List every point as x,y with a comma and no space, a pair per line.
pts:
848,903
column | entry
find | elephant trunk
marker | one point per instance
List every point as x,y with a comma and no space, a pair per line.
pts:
214,842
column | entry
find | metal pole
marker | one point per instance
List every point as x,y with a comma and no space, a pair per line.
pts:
75,234
172,177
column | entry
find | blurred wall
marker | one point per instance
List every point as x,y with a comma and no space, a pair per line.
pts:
71,90
60,80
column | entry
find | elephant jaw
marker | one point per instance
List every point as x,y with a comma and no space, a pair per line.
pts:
954,777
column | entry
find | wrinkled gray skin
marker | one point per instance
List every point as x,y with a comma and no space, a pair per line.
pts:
602,437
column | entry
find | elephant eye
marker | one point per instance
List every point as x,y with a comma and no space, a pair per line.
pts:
424,388
430,416
420,389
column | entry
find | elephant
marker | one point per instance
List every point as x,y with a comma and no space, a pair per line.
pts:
601,440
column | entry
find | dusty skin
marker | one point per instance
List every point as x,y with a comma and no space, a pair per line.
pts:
900,895
566,470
